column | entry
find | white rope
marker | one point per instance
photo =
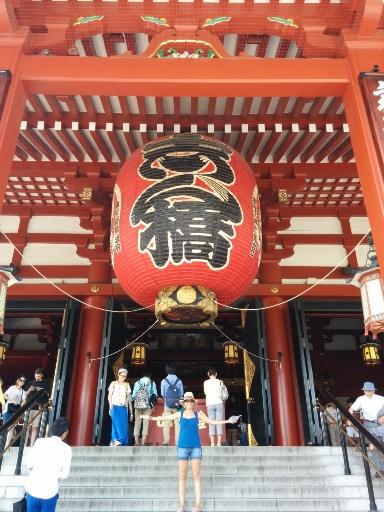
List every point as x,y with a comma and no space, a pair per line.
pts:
91,359
277,361
219,303
301,293
68,294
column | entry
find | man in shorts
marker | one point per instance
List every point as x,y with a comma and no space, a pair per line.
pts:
37,410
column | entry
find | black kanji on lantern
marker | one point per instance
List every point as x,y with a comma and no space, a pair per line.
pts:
189,214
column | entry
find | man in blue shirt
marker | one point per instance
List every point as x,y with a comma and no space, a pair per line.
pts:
172,391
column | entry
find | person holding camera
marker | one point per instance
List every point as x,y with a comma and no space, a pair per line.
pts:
37,410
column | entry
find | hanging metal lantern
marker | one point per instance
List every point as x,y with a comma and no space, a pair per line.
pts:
139,354
8,277
185,227
371,354
3,298
4,346
372,300
231,353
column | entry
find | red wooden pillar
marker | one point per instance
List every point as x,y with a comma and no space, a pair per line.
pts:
282,380
362,57
286,413
11,56
84,377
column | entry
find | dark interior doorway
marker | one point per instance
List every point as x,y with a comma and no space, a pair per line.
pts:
327,338
193,351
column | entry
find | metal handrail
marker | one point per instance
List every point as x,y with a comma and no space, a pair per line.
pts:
11,423
355,422
363,435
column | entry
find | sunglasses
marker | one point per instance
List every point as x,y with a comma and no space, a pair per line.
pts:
22,380
188,400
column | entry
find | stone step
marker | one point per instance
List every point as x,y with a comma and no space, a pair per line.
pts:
244,479
243,451
163,480
235,459
218,505
228,471
223,491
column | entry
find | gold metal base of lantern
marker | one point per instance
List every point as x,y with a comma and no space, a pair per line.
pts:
185,306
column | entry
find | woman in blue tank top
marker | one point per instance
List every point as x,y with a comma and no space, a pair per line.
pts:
189,445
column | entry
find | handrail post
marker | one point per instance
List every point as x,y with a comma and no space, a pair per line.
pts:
3,440
22,444
368,476
343,442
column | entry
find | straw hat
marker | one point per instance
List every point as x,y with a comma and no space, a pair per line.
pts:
188,395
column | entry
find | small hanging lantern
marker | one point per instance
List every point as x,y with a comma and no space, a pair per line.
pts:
371,354
231,353
139,354
4,346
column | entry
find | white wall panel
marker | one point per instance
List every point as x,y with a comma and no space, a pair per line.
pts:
52,254
315,255
314,225
9,223
51,224
359,225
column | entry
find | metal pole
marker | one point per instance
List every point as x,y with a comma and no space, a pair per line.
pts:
3,440
371,494
22,444
343,442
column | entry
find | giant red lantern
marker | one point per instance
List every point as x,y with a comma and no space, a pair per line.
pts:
185,227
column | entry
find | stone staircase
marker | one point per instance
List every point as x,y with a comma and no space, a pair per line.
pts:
241,479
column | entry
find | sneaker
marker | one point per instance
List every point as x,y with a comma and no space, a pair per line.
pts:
165,444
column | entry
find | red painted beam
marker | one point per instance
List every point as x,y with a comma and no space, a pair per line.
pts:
49,238
290,239
286,212
335,140
24,291
284,145
320,170
316,143
299,146
74,211
310,272
168,120
181,77
269,145
81,271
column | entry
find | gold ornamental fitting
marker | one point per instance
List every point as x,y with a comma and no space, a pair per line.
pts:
186,306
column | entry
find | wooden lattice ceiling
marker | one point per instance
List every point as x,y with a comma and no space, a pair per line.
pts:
70,147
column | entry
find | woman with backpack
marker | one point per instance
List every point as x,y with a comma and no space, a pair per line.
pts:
189,444
119,398
144,399
214,400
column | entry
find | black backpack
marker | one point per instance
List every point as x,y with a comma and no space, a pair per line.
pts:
172,395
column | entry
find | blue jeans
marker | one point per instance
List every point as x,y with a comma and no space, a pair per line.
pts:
215,412
188,454
40,504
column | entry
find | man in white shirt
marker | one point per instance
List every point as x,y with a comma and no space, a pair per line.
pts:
368,405
49,460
